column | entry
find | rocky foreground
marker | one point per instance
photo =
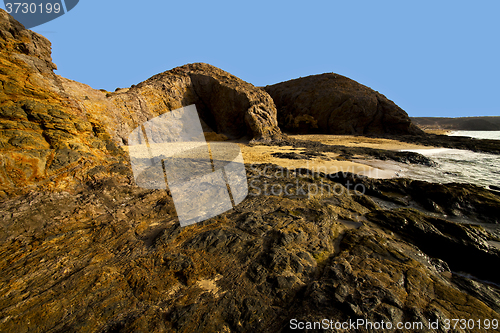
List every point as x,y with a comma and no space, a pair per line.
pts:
83,249
111,257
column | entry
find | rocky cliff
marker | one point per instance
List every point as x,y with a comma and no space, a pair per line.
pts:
53,130
226,104
46,140
334,104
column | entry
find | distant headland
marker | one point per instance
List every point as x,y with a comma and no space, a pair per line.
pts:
459,123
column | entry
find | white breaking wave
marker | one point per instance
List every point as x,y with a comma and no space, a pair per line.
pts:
455,165
461,166
493,135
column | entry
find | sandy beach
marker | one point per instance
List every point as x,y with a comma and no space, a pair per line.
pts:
359,141
332,163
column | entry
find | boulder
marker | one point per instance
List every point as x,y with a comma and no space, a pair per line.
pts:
334,104
226,103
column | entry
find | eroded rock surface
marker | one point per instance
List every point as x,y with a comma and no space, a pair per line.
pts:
112,258
46,141
226,104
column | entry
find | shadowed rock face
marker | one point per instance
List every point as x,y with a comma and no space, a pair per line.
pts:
227,104
333,104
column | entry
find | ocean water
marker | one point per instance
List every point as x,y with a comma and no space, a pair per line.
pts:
461,166
494,135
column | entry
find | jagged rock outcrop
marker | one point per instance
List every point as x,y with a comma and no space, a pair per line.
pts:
46,141
26,45
226,104
113,258
334,104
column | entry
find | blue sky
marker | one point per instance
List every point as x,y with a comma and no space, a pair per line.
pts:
433,58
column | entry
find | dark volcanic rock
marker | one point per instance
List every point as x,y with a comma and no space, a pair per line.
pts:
337,105
112,258
375,278
463,247
315,148
454,142
455,200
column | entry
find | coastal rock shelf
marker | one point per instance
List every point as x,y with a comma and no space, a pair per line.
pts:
112,258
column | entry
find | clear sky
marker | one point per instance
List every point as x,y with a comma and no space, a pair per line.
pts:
433,58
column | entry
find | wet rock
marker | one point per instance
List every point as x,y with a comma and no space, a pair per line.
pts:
488,293
366,281
271,259
454,142
314,148
462,247
460,200
494,187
